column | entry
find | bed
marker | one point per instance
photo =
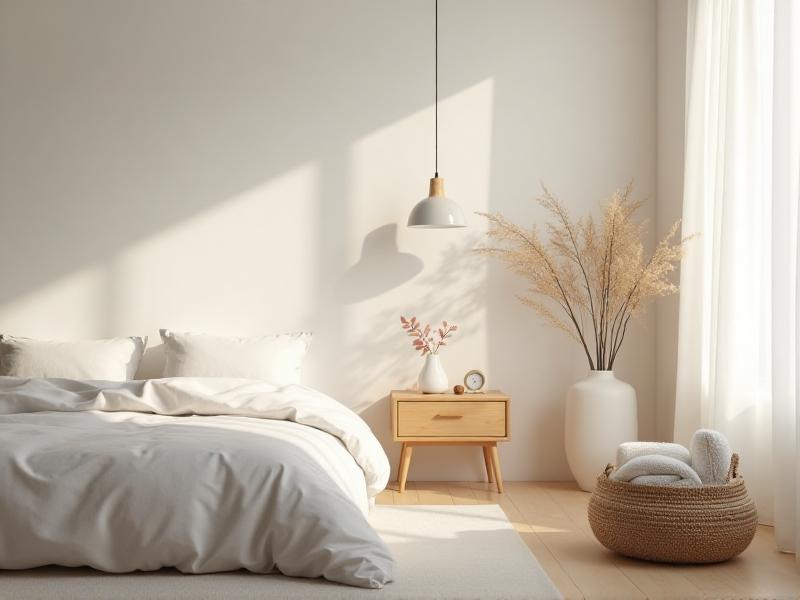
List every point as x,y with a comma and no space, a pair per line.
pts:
200,474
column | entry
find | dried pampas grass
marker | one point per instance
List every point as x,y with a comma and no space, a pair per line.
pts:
589,278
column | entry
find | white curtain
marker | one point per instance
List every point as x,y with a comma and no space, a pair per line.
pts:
737,351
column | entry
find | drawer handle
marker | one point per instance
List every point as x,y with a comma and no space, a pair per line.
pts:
449,417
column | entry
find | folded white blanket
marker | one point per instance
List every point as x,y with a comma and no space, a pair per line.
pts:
663,480
655,479
711,456
653,464
630,450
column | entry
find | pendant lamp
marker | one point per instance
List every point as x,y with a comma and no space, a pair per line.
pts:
436,211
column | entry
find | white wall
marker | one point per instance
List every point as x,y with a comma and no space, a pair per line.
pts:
671,18
248,166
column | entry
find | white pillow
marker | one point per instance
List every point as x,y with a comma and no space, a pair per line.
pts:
711,456
113,359
277,359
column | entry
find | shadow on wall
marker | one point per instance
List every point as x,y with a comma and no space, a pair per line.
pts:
381,267
387,354
456,290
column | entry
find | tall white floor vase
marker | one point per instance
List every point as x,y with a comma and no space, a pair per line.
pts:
600,415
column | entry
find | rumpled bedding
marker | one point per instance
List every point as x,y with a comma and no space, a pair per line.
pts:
203,475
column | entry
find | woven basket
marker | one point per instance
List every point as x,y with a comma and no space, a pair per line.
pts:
704,524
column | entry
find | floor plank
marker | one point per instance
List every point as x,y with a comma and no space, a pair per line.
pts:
760,571
538,508
462,493
551,519
655,580
432,492
385,497
486,493
409,496
589,566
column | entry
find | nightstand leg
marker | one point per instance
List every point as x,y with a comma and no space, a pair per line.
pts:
405,462
487,458
498,474
400,462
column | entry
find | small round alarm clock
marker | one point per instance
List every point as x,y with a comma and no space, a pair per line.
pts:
474,381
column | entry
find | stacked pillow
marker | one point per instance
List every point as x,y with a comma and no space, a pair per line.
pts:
277,359
114,359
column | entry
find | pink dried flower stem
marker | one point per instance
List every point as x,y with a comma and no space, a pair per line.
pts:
423,340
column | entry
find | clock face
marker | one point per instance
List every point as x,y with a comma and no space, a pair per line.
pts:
474,380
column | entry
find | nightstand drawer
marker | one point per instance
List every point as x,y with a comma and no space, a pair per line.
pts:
451,419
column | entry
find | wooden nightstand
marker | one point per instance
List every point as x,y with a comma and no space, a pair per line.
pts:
448,420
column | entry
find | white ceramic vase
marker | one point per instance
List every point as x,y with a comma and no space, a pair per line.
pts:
600,415
432,378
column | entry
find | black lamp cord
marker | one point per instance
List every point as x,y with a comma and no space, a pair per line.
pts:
436,87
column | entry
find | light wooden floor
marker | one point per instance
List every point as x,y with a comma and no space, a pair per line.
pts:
551,518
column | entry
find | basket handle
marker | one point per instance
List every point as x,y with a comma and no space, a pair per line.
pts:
733,470
608,469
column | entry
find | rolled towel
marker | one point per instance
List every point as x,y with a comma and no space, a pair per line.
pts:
655,479
662,480
629,450
711,456
654,464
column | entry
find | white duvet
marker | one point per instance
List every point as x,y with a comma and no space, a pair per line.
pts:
199,474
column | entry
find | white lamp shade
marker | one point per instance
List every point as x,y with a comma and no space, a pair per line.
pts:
436,211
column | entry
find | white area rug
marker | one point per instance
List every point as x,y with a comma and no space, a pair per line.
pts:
442,552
